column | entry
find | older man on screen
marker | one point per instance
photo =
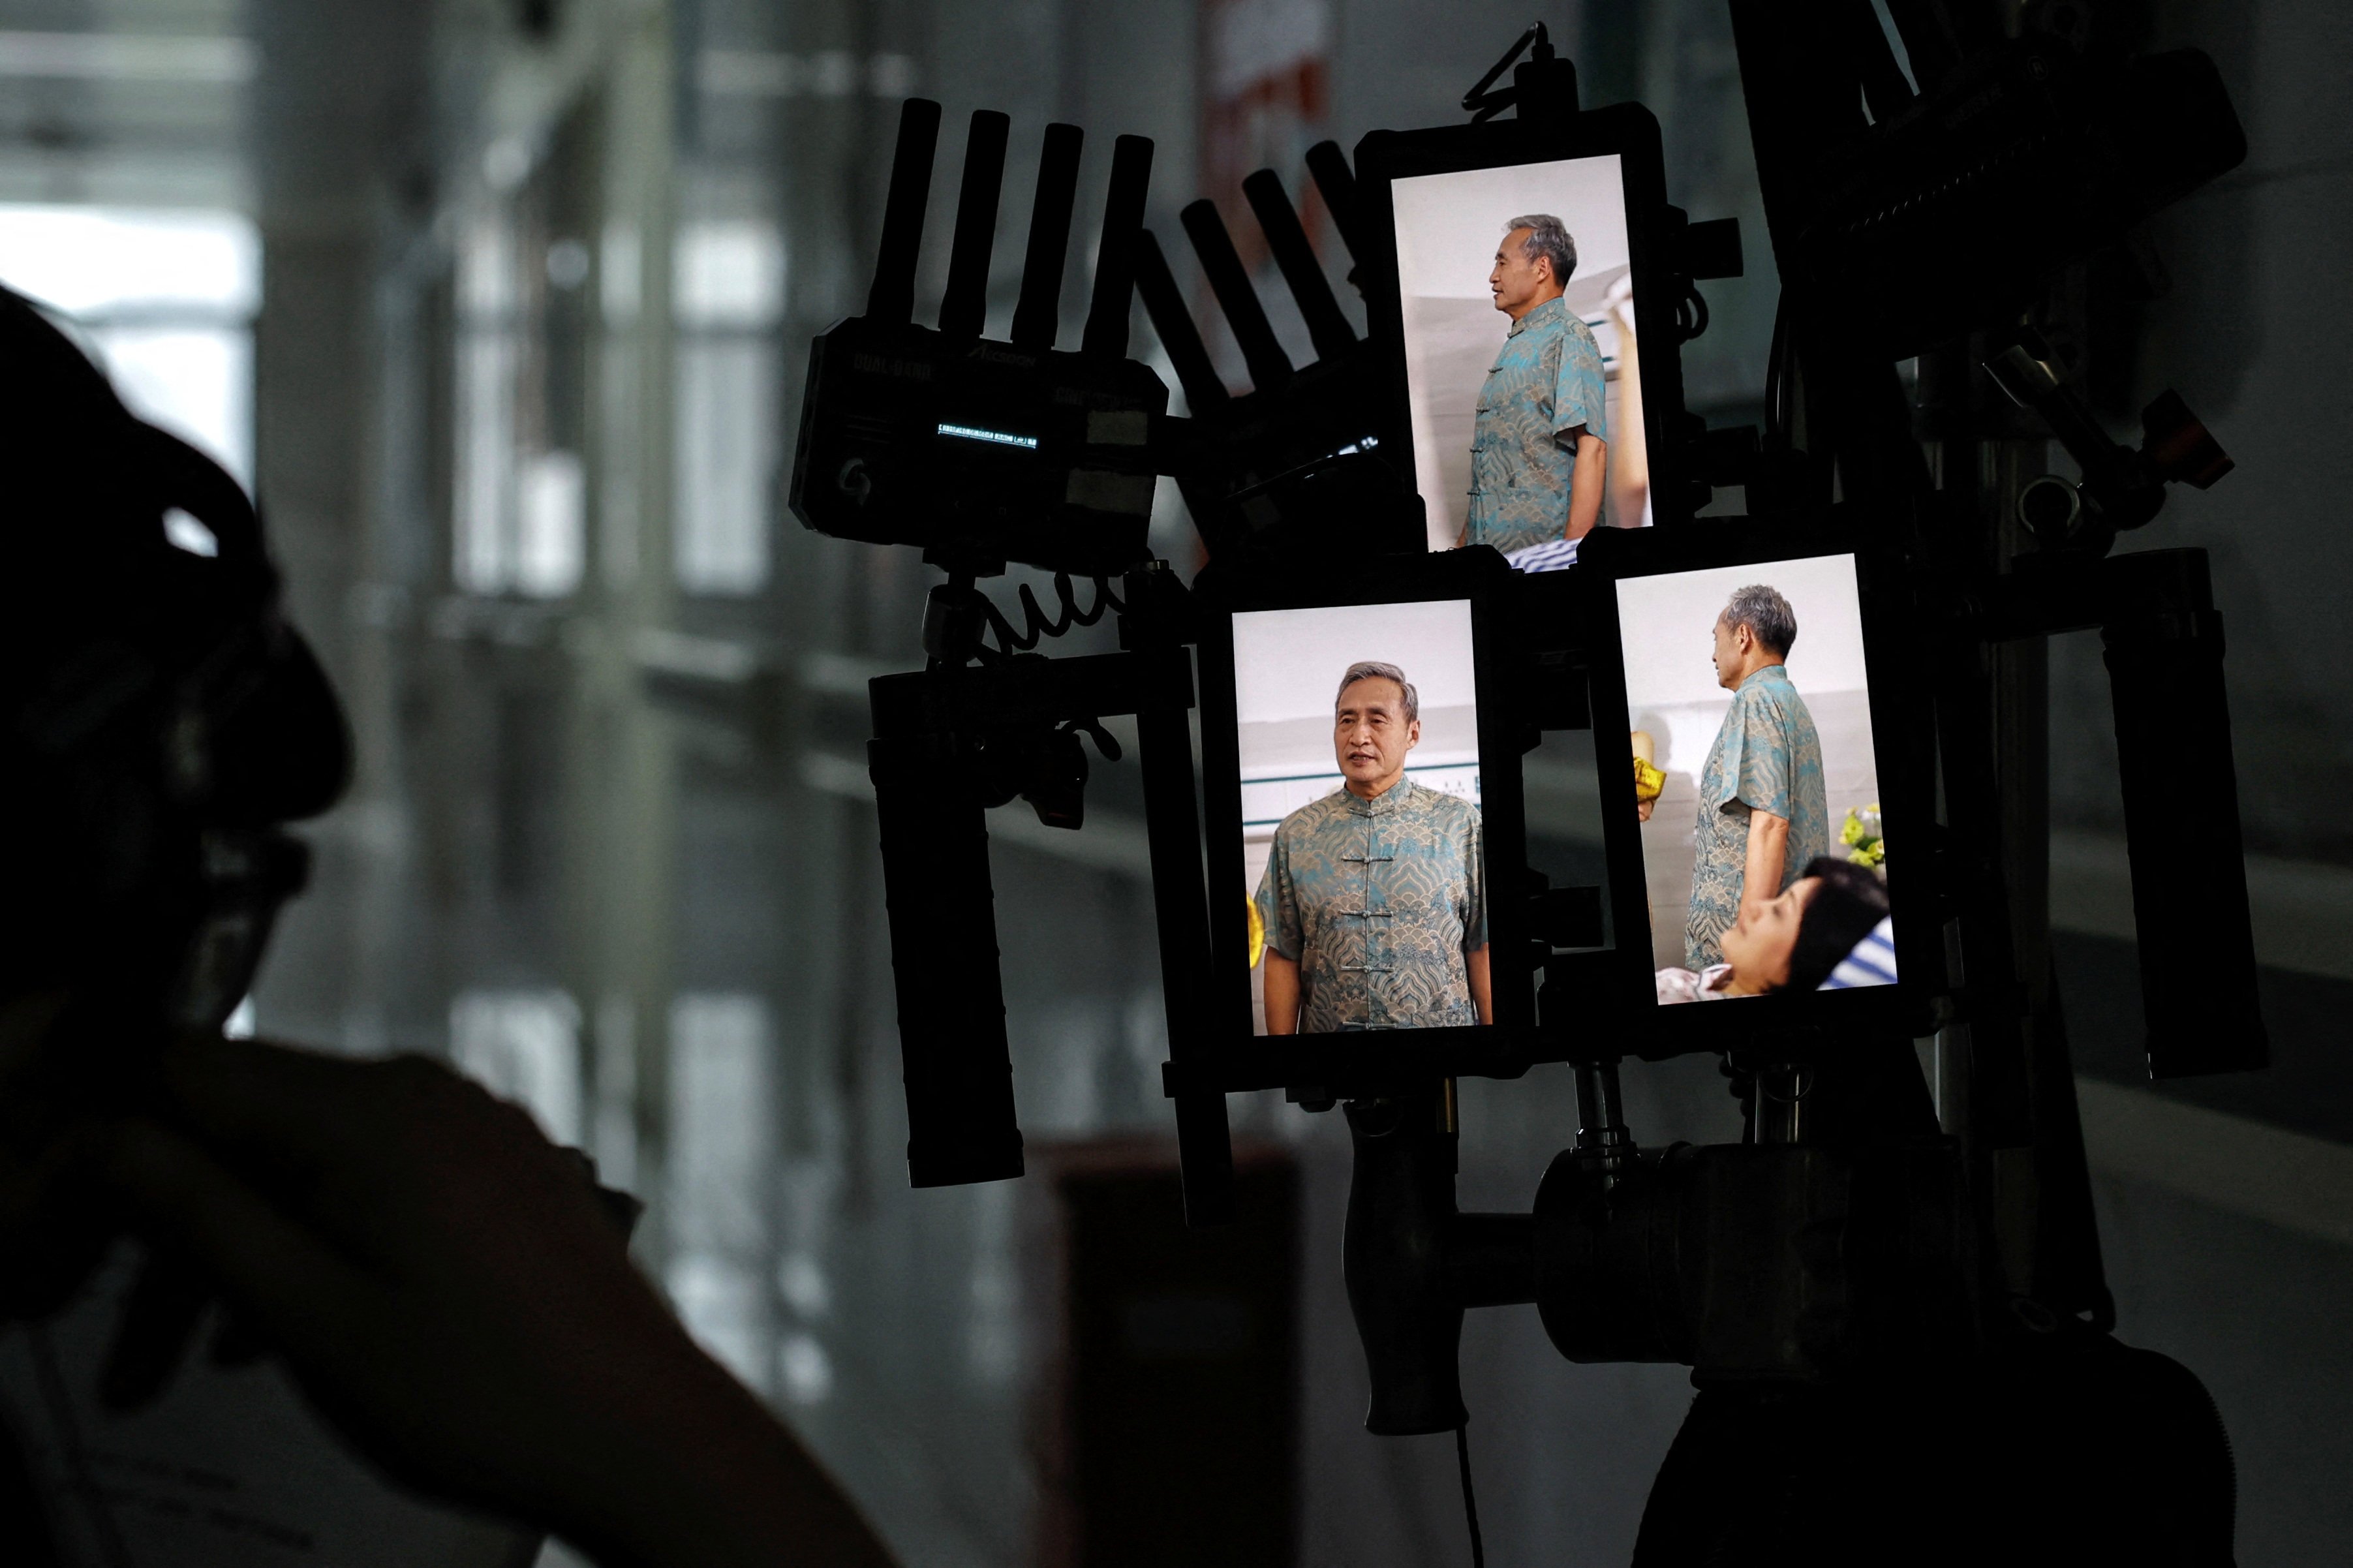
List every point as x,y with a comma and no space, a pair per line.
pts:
1539,453
1374,899
1762,814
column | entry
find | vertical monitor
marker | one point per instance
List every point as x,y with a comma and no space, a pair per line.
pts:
1363,847
1516,294
1757,780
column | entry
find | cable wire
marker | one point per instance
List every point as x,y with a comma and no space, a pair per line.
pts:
1469,1499
1035,625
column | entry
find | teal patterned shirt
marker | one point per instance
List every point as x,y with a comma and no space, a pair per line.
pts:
1378,901
1767,758
1548,381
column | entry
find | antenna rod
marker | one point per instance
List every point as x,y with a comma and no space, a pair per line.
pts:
1041,309
1326,327
963,308
1131,182
1337,184
892,297
1269,365
1165,303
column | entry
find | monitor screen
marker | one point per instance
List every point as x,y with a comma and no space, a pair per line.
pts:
1516,297
1362,850
1756,779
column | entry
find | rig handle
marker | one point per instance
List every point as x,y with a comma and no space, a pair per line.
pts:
959,1070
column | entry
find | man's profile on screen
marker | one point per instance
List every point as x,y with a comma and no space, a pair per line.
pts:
1374,898
1539,454
1762,814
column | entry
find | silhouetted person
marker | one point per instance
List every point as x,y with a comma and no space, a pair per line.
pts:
447,1288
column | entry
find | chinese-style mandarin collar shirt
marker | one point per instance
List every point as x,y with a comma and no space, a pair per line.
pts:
1548,381
1766,757
1378,902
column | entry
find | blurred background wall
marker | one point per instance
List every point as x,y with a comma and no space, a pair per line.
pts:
502,305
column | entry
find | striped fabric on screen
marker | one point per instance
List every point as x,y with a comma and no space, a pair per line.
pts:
1873,961
1551,555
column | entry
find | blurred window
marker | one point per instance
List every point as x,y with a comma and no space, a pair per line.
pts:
162,300
729,294
524,1046
721,1158
520,522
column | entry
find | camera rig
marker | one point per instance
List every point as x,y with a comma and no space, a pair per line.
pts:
1869,1276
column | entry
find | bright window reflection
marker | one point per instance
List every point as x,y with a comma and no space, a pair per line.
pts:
729,289
521,517
162,300
721,1155
524,1046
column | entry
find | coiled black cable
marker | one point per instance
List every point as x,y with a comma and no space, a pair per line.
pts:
1035,625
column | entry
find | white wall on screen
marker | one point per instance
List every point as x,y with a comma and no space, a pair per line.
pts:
1288,663
1668,623
1447,225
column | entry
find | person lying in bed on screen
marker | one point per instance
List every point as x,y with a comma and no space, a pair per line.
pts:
1762,811
1539,452
1375,899
1794,941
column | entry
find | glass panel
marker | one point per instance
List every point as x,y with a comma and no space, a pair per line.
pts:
524,1046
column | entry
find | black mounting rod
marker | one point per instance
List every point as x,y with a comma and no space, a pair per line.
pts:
1269,365
1165,303
963,308
1131,182
1326,327
1040,312
892,296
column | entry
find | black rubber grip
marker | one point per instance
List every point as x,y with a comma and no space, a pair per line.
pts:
961,1125
2164,643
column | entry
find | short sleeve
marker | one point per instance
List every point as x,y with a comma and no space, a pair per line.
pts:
1474,885
1757,769
1580,396
1278,905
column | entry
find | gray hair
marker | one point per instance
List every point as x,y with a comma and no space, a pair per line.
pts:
1765,614
1374,670
1548,238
